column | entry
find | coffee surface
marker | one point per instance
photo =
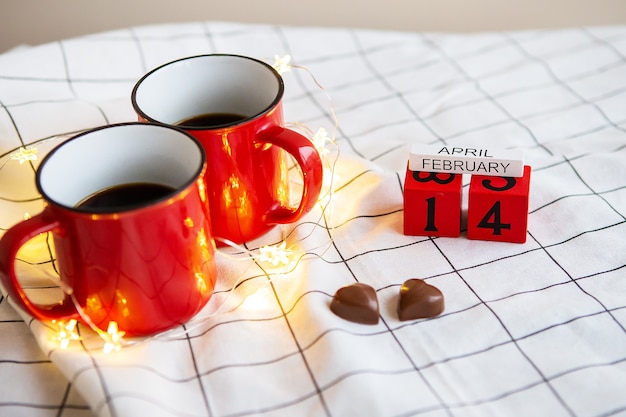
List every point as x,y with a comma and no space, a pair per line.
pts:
211,120
124,196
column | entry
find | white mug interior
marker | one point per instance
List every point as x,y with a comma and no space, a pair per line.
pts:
207,84
119,154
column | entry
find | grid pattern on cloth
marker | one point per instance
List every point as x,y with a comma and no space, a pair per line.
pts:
529,329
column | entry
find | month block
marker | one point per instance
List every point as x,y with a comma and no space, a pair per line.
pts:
461,160
432,204
498,208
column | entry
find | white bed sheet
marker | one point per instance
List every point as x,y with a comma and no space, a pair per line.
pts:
528,329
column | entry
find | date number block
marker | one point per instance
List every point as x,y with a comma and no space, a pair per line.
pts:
432,204
498,208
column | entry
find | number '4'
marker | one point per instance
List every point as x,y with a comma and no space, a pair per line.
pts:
492,220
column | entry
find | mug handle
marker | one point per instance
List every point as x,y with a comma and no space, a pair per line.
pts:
14,238
305,154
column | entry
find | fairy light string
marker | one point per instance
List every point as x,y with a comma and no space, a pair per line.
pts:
274,260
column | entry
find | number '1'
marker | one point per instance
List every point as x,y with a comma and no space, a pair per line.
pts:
430,215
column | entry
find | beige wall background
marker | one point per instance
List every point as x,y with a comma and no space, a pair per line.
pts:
39,21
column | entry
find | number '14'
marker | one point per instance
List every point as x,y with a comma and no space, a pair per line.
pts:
492,220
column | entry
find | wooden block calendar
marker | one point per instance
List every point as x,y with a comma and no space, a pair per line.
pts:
498,194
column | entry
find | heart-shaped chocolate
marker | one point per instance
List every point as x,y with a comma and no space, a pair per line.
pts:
357,303
419,300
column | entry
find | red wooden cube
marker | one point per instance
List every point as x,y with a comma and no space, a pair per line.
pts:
498,208
432,204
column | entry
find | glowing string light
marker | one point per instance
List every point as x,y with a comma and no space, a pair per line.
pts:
275,255
112,338
282,64
66,332
24,155
319,141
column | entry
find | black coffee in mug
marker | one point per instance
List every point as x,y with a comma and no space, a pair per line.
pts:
209,120
124,196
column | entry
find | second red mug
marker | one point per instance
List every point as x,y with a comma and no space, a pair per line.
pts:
233,105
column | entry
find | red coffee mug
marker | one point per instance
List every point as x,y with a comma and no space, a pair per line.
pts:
233,106
126,207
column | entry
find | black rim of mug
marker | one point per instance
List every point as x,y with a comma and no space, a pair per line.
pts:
277,98
178,190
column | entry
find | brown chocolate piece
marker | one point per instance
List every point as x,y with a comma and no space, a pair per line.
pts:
419,300
356,303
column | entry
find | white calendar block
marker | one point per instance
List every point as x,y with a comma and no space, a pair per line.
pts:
461,160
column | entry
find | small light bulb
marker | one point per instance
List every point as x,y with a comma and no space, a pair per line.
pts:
112,338
275,255
319,141
24,155
282,65
66,332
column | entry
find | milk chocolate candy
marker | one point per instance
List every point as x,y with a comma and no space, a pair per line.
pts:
356,303
419,300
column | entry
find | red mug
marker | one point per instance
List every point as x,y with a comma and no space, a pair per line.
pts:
132,237
233,105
